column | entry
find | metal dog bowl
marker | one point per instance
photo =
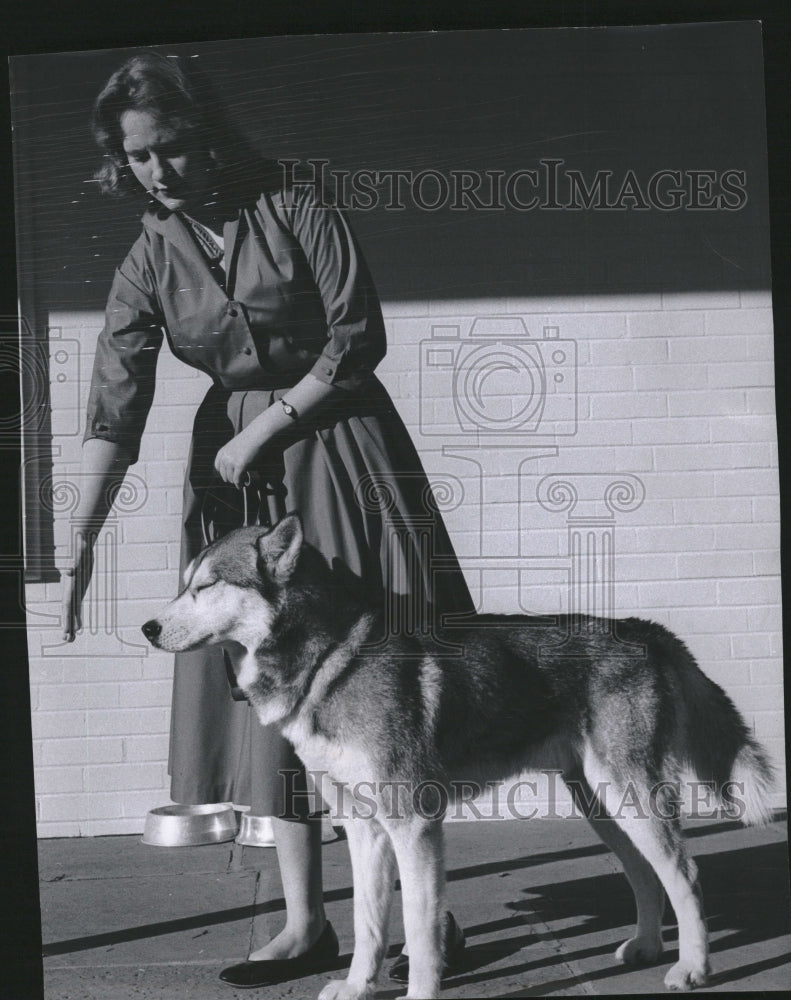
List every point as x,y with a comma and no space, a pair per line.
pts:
256,831
188,826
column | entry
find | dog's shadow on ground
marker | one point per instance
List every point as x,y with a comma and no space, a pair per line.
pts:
746,894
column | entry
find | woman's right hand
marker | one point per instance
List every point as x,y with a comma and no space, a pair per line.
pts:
104,465
75,584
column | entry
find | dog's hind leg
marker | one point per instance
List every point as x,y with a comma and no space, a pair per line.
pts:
660,842
646,945
373,875
419,850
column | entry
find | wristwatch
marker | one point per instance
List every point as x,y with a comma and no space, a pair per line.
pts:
289,410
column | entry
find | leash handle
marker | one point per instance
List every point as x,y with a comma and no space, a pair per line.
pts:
252,478
255,487
251,488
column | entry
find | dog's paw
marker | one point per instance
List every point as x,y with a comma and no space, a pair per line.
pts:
423,991
686,976
639,951
342,989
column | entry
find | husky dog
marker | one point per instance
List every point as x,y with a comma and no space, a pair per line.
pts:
615,706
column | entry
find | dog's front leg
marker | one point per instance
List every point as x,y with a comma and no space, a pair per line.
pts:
373,873
419,850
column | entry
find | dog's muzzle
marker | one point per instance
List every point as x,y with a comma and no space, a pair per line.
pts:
152,630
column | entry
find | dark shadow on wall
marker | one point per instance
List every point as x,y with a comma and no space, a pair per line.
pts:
617,106
439,143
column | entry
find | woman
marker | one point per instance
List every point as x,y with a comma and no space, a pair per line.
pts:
264,288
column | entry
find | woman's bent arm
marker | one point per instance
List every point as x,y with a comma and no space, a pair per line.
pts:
307,397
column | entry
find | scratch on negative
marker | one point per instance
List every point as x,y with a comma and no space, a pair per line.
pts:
722,255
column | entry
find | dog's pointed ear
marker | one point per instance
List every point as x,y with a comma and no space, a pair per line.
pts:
279,549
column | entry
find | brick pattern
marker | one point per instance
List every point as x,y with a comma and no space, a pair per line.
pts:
676,390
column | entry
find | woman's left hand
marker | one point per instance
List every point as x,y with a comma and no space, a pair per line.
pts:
235,458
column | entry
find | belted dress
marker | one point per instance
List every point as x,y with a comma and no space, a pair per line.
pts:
294,295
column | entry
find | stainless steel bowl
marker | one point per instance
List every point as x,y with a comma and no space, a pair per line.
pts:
188,826
256,831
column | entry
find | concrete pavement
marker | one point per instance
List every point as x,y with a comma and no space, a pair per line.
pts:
543,904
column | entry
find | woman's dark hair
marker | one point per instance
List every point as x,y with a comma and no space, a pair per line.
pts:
175,90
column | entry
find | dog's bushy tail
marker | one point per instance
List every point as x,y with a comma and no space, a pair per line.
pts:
719,748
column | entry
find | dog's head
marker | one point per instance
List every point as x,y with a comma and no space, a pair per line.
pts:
233,591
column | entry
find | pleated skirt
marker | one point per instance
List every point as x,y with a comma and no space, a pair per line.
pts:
356,480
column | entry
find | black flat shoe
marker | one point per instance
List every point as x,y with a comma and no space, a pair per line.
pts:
268,971
454,945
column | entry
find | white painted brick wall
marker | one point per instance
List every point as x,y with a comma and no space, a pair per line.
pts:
675,389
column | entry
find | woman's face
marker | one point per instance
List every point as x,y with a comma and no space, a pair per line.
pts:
165,160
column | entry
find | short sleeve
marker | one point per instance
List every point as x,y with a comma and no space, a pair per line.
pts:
356,339
124,369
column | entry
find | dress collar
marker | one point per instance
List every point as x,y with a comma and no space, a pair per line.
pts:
242,186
